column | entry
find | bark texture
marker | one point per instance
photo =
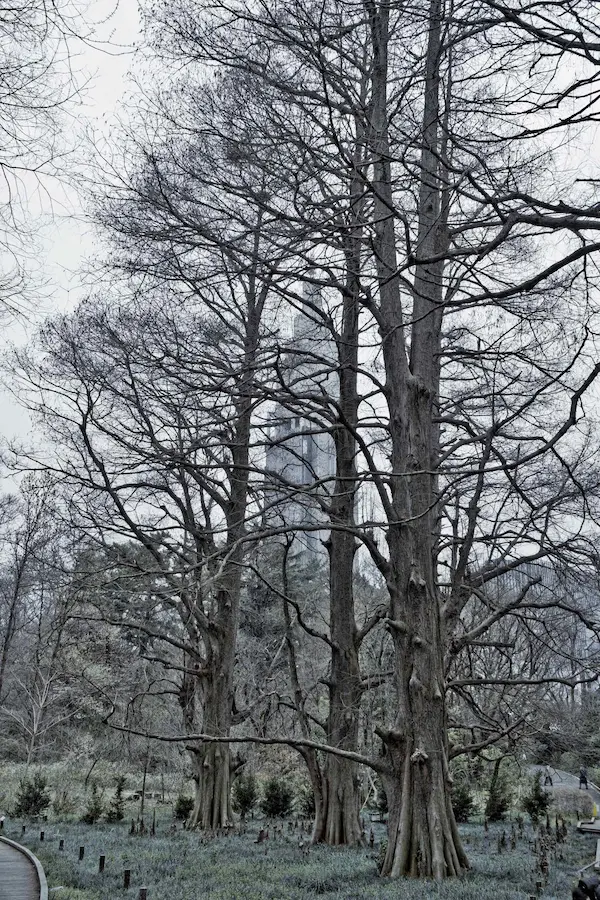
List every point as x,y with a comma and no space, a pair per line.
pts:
339,820
423,838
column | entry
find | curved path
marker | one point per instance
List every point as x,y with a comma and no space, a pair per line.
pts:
21,875
565,779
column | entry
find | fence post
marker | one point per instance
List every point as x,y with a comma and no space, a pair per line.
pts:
126,878
81,853
101,862
61,844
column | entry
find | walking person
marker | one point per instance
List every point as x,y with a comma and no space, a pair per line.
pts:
547,777
583,781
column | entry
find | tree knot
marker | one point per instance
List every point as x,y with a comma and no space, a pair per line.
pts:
418,757
416,578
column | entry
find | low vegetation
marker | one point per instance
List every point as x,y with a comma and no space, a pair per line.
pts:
185,865
507,857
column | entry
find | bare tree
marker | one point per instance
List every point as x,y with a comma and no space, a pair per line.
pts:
462,248
37,81
165,468
27,528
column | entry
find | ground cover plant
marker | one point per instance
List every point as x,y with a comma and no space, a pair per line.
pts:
193,866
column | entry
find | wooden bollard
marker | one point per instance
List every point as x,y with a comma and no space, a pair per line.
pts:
41,836
101,862
22,830
81,853
126,878
143,894
61,844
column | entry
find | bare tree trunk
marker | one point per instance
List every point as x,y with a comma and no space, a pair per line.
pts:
143,798
340,818
423,838
212,762
340,821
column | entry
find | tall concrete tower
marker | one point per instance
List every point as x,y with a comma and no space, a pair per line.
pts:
300,455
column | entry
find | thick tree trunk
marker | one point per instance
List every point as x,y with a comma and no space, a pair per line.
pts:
338,822
212,763
212,774
340,819
423,838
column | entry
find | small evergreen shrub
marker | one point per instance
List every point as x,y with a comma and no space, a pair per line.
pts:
498,801
536,802
244,794
116,807
462,801
183,807
32,796
277,798
95,807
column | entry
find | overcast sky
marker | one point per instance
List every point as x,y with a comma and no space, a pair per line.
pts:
102,66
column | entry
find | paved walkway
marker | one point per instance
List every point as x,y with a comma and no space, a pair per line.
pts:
18,877
565,779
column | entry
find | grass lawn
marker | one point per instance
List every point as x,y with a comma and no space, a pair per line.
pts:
183,866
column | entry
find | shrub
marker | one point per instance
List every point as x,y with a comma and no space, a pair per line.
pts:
277,800
95,807
244,794
536,802
183,807
116,808
63,804
32,796
499,800
462,801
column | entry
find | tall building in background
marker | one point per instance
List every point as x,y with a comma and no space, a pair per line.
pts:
300,455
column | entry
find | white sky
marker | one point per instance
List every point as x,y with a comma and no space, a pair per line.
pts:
103,67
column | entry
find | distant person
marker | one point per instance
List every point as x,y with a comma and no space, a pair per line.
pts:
547,776
583,782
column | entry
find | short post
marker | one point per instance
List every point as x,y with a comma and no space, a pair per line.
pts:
81,853
101,862
22,830
41,836
61,845
126,878
143,894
